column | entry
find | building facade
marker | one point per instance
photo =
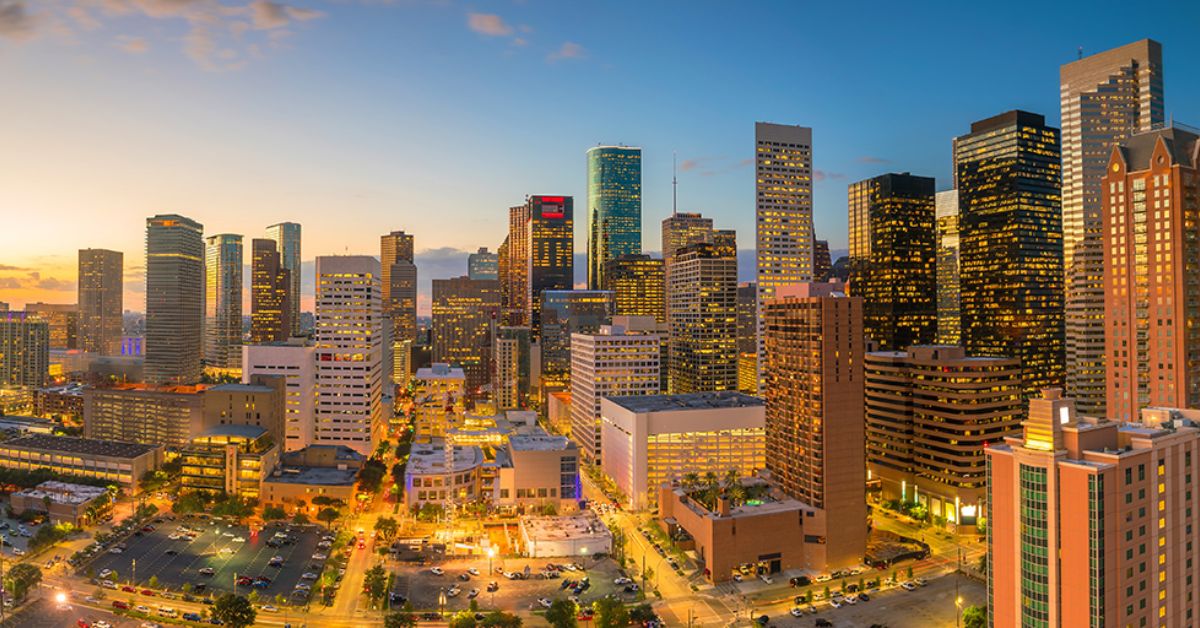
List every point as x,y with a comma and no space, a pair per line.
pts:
101,300
614,208
511,363
949,305
682,229
259,402
223,302
399,284
24,350
822,263
702,315
270,290
229,460
63,319
637,284
464,313
296,361
175,287
120,463
136,413
551,252
287,241
567,312
483,264
614,361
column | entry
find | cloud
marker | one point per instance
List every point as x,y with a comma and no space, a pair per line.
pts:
133,45
56,284
871,159
15,20
687,165
488,24
267,15
11,268
821,175
10,283
569,50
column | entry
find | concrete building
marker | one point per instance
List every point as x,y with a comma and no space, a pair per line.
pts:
295,360
1105,97
822,264
614,208
442,475
64,502
1091,521
439,400
399,283
483,264
681,229
511,364
576,536
537,469
175,286
63,404
702,294
270,294
101,300
815,429
638,286
138,413
651,440
1152,331
617,361
464,312
287,242
223,302
349,339
930,412
260,402
564,313
24,350
229,459
120,463
949,305
63,319
558,412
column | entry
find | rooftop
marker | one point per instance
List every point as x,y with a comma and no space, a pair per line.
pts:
64,492
578,526
441,371
318,476
431,459
539,442
700,400
82,446
244,431
241,388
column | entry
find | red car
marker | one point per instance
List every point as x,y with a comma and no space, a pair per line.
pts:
128,589
245,581
82,624
147,592
121,605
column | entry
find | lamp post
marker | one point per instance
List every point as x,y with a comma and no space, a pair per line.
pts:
491,554
442,602
958,604
583,552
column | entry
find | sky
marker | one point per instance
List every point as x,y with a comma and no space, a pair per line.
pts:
359,117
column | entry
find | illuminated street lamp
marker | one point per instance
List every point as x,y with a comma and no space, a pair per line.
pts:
491,552
583,551
442,602
958,604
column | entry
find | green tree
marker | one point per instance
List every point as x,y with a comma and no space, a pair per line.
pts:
328,515
375,583
642,613
186,588
386,527
152,582
500,619
975,617
273,513
21,578
300,518
610,613
909,572
561,614
253,596
463,619
400,619
234,611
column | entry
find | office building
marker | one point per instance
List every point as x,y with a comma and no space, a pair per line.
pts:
893,265
287,241
399,284
511,368
537,469
747,337
294,359
119,463
1106,97
483,264
442,475
551,250
230,460
270,285
815,429
223,302
614,208
614,361
567,312
649,440
137,413
931,411
702,315
439,399
464,312
822,264
637,284
24,350
1091,522
175,287
514,267
63,319
349,339
1010,229
259,402
1152,335
949,310
682,229
101,300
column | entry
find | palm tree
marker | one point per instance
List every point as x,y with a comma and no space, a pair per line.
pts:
737,494
691,480
732,478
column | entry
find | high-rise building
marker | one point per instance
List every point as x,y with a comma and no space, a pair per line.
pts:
747,317
893,249
511,368
822,263
1105,97
702,315
136,413
483,264
24,350
287,241
464,312
1151,280
349,338
399,284
223,301
931,411
949,310
551,252
270,285
63,319
567,312
613,361
1010,227
1092,522
682,229
295,360
101,300
636,282
614,208
174,299
813,354
514,267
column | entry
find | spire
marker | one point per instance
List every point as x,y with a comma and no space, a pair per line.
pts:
674,188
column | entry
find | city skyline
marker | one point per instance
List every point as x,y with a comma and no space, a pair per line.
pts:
267,175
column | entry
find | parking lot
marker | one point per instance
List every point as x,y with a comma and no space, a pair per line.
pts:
931,605
214,556
16,542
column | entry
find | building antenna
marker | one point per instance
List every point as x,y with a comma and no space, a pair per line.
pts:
674,188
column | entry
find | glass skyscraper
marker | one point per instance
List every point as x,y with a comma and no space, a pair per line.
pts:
174,299
287,241
614,207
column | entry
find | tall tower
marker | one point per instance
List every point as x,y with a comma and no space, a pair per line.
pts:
483,264
614,207
349,338
949,310
682,229
703,319
893,254
399,284
287,241
174,299
1010,227
550,251
223,301
270,303
514,279
1105,98
101,300
637,284
464,312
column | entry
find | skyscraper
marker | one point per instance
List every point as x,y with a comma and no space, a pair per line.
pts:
270,285
464,312
567,312
223,301
64,322
287,241
702,316
550,250
813,365
483,264
399,284
174,299
349,338
514,271
101,300
614,207
1151,280
1106,97
681,229
822,264
747,337
637,284
949,310
612,361
24,350
893,261
1010,227
511,367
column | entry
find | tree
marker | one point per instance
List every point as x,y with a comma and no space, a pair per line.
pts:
642,613
561,614
253,597
975,617
910,572
328,515
186,588
386,527
500,619
610,613
21,578
152,582
370,476
273,513
375,583
463,619
234,611
400,619
300,518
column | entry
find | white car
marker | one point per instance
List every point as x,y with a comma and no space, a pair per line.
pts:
767,579
105,574
544,602
437,571
270,608
100,623
108,584
622,581
453,592
319,556
114,550
91,599
308,575
853,599
238,539
908,586
737,577
473,571
141,608
834,603
919,582
797,612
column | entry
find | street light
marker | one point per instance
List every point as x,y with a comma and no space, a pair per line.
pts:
442,602
958,604
491,554
583,551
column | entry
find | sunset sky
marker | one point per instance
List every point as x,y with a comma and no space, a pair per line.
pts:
355,118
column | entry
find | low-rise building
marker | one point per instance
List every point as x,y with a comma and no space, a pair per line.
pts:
62,403
64,502
442,475
230,459
439,400
138,413
17,425
558,411
261,401
537,469
329,470
578,536
294,359
122,464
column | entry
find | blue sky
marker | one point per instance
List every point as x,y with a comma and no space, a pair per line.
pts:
357,118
